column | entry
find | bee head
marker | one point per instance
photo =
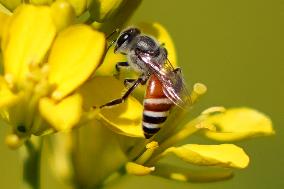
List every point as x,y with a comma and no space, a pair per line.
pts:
125,38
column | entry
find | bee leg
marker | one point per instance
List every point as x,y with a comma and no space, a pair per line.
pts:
124,97
120,65
127,82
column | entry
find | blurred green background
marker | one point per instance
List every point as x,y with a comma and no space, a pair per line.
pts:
236,49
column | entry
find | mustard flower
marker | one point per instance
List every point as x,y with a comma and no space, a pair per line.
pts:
113,145
106,15
40,78
55,72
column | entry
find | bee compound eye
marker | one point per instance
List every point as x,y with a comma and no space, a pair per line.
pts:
122,39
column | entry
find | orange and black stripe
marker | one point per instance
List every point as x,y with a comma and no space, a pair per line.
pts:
156,107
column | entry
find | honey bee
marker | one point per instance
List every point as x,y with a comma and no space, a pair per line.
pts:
165,86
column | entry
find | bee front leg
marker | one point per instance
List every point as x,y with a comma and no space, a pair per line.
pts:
120,65
124,97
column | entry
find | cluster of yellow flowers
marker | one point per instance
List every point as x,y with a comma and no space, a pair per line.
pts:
55,68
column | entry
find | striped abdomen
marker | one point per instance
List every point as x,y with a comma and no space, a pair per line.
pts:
156,107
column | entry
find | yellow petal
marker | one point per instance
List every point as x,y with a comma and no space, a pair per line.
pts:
76,53
124,118
41,2
138,170
161,34
10,4
4,18
185,174
60,150
96,154
79,5
223,155
107,68
27,39
7,97
63,115
102,10
62,13
238,123
4,10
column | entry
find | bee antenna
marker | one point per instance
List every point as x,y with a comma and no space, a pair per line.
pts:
111,43
112,33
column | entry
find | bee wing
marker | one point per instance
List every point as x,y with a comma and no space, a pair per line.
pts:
172,80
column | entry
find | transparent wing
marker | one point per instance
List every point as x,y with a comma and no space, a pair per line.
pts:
173,83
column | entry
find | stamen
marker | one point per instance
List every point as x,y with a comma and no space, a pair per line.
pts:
45,69
214,110
137,169
198,90
151,147
202,125
9,79
56,95
178,176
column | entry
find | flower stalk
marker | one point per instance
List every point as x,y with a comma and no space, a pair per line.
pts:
31,155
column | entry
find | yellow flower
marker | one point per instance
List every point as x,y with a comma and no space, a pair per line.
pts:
50,83
45,59
97,10
141,157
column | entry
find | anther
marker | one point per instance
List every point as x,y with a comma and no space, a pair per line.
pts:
9,79
214,110
198,90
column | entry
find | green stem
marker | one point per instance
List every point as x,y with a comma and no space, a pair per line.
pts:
31,165
114,176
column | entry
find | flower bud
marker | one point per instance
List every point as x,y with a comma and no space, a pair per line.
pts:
63,14
102,10
138,170
10,4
